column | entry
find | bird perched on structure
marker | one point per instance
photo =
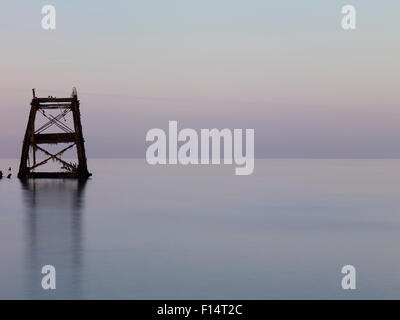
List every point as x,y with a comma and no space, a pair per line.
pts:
9,176
1,174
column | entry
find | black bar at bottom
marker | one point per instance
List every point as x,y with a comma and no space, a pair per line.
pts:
205,309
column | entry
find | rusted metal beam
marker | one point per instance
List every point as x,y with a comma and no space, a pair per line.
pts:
53,99
54,106
80,142
30,129
52,138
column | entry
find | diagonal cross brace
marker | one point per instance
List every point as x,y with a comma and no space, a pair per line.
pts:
50,122
54,120
53,156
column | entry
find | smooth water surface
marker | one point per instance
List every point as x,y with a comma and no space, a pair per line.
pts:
136,231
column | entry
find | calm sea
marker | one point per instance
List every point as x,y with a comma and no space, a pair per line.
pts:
135,231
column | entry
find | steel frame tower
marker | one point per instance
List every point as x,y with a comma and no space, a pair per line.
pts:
34,139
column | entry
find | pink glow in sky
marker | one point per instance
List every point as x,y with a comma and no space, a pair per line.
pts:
308,88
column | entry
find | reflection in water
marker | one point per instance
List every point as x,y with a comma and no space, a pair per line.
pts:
200,233
54,234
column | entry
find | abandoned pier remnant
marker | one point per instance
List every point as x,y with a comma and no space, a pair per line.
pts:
35,140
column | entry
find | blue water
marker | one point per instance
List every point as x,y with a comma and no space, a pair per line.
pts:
136,231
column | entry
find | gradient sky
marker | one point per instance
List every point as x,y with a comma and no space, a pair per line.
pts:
285,68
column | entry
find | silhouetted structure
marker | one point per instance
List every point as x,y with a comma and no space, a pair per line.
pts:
35,138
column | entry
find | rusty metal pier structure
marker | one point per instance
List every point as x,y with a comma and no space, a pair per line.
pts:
35,140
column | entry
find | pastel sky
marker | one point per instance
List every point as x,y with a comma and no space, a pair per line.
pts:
285,68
